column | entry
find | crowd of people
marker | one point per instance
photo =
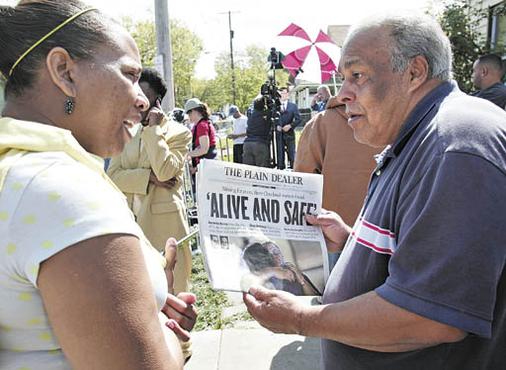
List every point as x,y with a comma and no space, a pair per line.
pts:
264,139
92,275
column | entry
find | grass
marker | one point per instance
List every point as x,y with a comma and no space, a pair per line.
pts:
210,303
222,144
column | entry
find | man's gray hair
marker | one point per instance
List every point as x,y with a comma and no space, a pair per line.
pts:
412,35
324,87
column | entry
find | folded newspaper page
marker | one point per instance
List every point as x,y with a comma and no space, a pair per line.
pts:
253,230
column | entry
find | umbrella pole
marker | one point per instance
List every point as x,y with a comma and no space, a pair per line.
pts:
334,80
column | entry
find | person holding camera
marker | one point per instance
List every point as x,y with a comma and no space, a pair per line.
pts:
258,134
149,172
285,138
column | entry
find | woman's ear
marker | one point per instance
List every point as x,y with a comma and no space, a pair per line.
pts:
61,68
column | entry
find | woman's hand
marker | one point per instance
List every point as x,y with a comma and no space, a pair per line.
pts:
181,313
296,274
178,309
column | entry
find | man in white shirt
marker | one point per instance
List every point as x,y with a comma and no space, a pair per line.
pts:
238,134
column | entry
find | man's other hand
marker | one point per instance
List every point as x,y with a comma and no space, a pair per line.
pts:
275,310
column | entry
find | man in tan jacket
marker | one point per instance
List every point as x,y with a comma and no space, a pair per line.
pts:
149,172
327,146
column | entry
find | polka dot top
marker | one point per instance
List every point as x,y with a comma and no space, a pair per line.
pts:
49,202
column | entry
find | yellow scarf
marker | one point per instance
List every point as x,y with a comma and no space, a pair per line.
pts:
20,137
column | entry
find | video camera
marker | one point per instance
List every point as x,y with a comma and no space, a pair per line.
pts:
269,90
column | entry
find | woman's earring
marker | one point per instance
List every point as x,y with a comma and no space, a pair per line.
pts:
69,105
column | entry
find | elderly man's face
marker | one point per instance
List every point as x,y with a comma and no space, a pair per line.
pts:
376,98
324,94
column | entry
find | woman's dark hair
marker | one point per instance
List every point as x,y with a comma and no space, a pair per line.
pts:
155,80
203,110
24,25
258,257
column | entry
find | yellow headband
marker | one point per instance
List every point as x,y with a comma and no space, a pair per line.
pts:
46,36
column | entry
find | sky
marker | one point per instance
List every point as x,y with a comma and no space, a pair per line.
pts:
254,22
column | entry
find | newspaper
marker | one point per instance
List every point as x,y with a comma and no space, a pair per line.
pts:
253,230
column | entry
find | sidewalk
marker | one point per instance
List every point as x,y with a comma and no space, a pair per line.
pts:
251,347
248,346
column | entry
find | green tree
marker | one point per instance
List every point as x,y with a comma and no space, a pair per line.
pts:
144,35
186,50
250,70
210,91
457,20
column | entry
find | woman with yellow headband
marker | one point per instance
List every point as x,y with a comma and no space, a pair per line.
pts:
80,286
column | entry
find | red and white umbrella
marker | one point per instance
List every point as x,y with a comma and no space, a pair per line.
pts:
314,61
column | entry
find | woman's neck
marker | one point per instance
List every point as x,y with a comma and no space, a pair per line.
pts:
198,119
22,109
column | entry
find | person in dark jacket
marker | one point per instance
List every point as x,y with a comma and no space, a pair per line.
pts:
285,138
487,73
258,134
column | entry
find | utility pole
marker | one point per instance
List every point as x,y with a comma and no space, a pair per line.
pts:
163,60
231,54
231,32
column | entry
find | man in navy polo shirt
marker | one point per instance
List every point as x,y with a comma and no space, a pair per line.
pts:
420,283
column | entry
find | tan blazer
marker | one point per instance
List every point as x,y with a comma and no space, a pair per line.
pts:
327,146
160,212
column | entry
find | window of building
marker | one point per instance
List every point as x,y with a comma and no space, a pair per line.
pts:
498,27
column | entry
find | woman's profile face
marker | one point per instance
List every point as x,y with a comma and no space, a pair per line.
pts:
194,116
109,98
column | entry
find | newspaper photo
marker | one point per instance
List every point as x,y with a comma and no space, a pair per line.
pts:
253,230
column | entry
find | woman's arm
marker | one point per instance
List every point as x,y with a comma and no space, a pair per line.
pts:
102,308
202,148
307,287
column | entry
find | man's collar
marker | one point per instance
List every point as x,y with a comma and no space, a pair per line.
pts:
418,114
498,83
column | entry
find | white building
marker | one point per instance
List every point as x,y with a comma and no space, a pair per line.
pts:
492,26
